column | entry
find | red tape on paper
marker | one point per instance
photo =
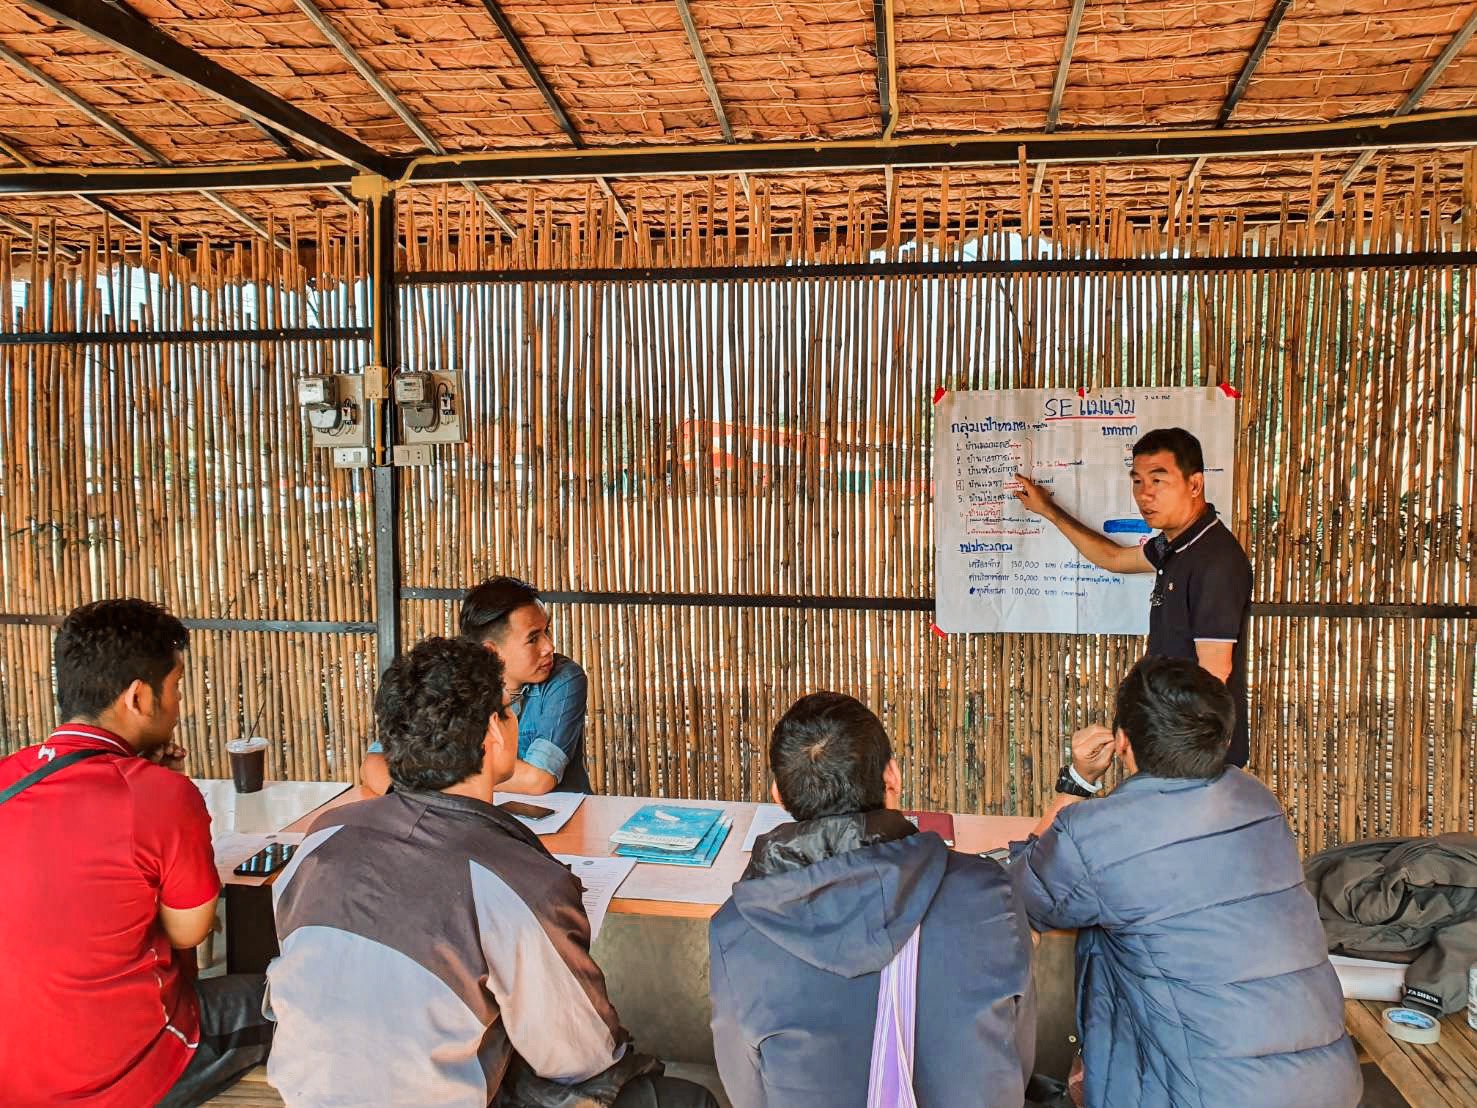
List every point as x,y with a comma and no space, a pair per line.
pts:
939,393
934,627
1229,391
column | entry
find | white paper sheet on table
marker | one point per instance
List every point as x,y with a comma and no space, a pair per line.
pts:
234,847
564,805
766,819
601,877
1368,979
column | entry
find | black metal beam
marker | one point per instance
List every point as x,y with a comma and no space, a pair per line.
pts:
506,29
1294,263
1276,609
1437,129
121,181
885,92
184,338
1064,64
387,562
144,43
1254,59
298,626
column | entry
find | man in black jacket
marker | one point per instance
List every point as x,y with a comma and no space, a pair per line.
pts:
797,952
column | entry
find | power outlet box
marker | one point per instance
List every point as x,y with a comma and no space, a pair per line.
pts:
354,431
450,418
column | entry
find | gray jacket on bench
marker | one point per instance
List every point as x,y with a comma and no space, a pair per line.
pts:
1202,978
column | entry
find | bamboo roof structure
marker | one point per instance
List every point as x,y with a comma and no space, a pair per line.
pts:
401,84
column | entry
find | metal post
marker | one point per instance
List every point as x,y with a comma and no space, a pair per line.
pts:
382,430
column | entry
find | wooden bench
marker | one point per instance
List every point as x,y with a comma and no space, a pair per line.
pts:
1442,1075
252,1091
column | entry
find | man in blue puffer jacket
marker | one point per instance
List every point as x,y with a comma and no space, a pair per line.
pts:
1202,976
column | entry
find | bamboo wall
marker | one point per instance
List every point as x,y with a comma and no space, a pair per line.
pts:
599,406
761,434
182,474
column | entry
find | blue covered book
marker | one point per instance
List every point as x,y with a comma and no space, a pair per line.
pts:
704,854
666,827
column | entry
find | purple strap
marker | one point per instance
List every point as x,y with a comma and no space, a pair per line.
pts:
890,1083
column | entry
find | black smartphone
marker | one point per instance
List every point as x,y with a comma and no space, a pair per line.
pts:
527,811
269,859
999,854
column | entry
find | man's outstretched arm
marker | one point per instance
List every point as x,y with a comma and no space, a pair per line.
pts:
1098,549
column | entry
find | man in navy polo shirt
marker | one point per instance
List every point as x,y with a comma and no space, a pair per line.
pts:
547,691
110,882
1202,592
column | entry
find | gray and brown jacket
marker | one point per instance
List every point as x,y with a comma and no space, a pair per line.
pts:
425,939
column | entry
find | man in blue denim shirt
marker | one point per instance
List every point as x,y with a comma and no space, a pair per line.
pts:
547,691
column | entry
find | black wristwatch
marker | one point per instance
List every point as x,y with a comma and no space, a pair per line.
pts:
1066,783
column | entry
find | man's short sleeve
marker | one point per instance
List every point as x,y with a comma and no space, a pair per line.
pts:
1219,595
561,726
171,836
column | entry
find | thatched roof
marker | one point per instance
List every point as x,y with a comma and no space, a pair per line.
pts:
626,74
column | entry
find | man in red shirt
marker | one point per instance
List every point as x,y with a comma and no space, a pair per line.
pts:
109,884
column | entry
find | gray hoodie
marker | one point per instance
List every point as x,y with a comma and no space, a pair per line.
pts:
797,954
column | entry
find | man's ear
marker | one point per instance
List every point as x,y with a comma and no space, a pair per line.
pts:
494,740
1197,484
774,793
1124,749
138,699
892,783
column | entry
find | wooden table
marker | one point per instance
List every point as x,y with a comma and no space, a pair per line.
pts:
1442,1075
684,892
251,940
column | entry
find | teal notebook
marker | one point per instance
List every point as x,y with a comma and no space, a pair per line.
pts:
704,854
666,827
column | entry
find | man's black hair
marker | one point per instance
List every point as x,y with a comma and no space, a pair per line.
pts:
1184,446
828,754
485,610
1178,718
432,711
104,647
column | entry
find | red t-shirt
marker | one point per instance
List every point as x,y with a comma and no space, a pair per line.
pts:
95,1008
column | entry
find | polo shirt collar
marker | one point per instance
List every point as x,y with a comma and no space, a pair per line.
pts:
1191,534
87,736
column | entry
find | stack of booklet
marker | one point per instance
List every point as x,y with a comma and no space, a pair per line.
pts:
673,836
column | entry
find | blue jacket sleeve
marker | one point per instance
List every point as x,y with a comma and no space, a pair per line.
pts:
1055,886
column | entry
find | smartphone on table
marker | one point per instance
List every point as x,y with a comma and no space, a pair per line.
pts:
526,810
268,860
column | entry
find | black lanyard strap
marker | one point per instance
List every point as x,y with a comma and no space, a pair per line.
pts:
47,770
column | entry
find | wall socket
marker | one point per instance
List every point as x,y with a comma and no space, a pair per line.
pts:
417,455
351,457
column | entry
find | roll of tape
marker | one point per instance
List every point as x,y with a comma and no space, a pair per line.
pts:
1410,1026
